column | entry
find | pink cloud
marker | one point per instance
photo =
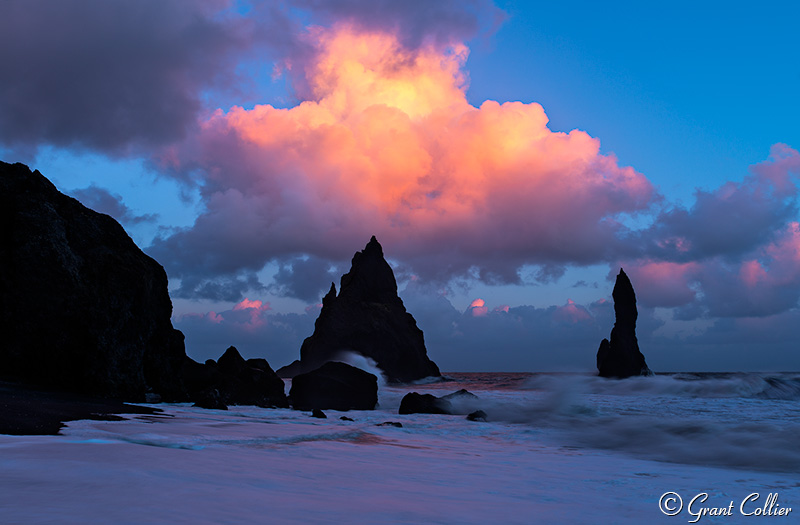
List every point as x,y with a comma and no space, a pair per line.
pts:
388,145
478,308
764,282
246,303
572,313
665,284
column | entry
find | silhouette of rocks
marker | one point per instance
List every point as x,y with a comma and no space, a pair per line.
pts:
621,357
318,414
416,403
462,394
210,399
460,402
369,318
389,424
335,386
82,308
235,381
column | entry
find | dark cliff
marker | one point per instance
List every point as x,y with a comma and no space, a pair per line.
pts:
82,308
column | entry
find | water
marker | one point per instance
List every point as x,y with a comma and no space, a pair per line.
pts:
743,420
557,447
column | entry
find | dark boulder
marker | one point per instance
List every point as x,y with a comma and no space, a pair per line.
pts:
416,403
369,318
334,386
462,394
210,399
82,308
318,414
462,401
236,381
620,357
396,424
478,415
459,402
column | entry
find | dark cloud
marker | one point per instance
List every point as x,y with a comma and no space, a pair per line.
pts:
735,253
733,344
111,76
305,278
230,287
442,22
731,220
103,201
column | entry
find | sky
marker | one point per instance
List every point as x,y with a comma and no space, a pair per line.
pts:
509,156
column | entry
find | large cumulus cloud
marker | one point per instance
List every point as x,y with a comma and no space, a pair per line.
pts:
388,145
122,77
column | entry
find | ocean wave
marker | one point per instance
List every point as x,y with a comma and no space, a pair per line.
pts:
779,386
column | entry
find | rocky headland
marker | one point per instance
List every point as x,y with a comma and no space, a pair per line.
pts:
82,308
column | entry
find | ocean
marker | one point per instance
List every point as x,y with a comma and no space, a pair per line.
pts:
567,448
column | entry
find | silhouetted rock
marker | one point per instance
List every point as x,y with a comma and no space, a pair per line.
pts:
478,415
389,424
335,386
210,399
621,357
236,381
367,317
318,414
462,394
82,308
459,402
416,403
462,402
345,418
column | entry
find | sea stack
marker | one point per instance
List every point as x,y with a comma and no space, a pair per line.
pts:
369,318
621,357
82,308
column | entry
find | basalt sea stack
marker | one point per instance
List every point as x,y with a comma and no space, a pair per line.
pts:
81,307
367,317
621,356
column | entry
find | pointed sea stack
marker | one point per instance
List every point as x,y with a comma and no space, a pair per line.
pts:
82,308
367,317
621,357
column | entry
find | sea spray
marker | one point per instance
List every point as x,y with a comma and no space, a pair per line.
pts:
364,363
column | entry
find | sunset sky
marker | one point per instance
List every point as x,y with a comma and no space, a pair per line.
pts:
510,157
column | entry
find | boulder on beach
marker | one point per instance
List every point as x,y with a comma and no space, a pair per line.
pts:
334,386
620,357
478,415
82,308
367,317
233,381
416,403
460,402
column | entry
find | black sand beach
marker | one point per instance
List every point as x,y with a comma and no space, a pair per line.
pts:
27,410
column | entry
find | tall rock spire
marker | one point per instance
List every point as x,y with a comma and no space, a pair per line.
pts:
369,318
621,357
